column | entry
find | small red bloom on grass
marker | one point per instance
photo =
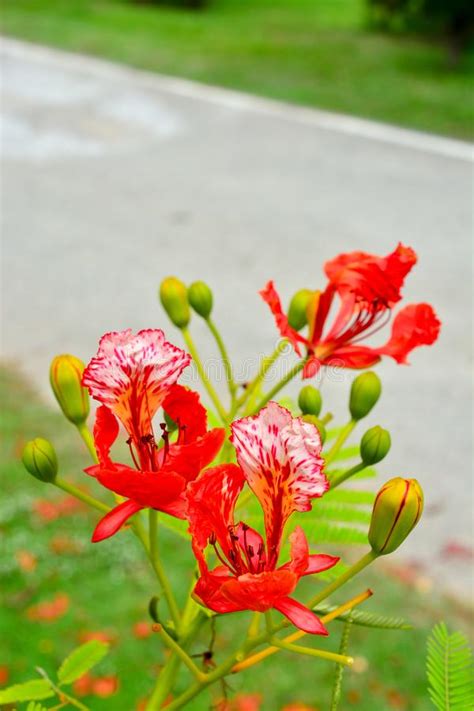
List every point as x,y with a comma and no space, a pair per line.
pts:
4,674
49,610
109,637
240,702
142,629
279,457
52,509
133,376
367,287
26,561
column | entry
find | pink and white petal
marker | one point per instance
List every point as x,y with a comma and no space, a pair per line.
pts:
132,374
318,562
306,479
106,429
262,455
300,616
114,520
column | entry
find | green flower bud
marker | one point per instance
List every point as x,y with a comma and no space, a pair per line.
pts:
174,298
397,509
200,298
375,445
297,314
365,392
318,424
65,375
40,460
310,401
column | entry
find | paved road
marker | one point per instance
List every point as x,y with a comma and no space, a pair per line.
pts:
114,178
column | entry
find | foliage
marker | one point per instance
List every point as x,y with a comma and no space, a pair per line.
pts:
449,670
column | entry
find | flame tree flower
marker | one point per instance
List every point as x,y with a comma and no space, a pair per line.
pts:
279,457
367,287
133,376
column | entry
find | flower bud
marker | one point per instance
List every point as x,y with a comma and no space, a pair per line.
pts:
310,401
375,445
200,298
318,424
297,315
365,392
65,375
174,298
397,509
40,460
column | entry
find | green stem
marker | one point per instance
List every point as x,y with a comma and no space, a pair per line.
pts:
81,495
225,359
86,435
264,368
343,476
281,384
310,652
205,381
342,579
159,570
179,651
343,435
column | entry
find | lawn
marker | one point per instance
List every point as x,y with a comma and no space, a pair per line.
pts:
45,552
316,52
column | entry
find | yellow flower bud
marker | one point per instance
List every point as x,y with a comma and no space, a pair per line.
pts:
40,460
297,314
200,298
310,401
397,509
65,375
174,298
365,392
375,445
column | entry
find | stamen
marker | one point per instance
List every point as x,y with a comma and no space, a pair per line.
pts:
129,442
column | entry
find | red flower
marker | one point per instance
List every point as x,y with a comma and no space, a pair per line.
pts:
367,288
133,376
279,456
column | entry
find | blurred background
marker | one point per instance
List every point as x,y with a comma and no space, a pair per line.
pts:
232,142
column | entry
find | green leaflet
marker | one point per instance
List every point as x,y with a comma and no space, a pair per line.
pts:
31,690
367,619
449,670
81,660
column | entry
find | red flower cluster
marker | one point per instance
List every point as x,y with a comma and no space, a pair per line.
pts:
133,376
367,287
279,458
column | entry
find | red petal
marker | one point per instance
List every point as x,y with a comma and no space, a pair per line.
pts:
357,357
105,433
300,616
185,408
318,562
114,520
211,501
259,592
147,488
270,296
311,367
299,552
208,590
188,460
370,277
415,325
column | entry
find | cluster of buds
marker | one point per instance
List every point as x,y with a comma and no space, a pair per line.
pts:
177,300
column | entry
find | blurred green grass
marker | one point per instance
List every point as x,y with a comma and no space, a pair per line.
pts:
110,584
315,52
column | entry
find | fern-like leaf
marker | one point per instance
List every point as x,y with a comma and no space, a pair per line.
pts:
449,670
366,619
